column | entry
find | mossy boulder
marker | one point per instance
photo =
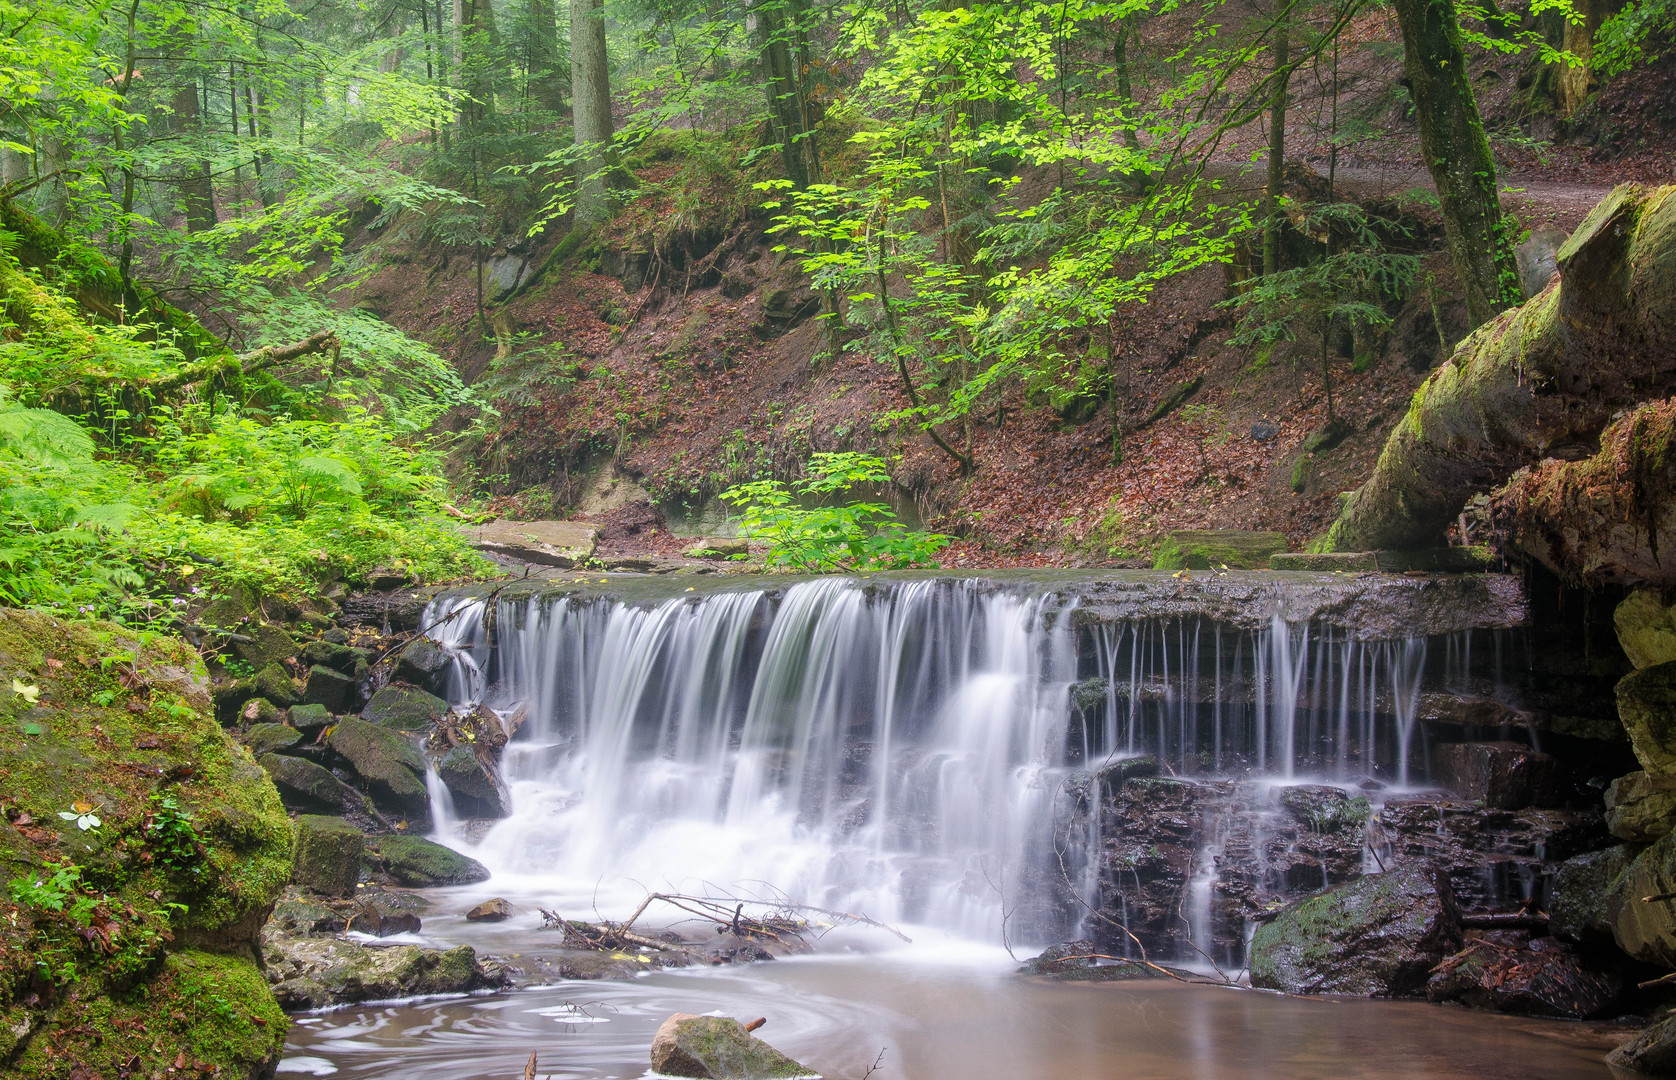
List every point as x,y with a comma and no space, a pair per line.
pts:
475,787
1641,808
329,853
328,687
133,738
268,644
405,708
260,711
271,738
1203,549
314,972
1646,628
307,787
1582,907
717,1048
389,766
418,862
338,657
1646,930
423,663
273,683
1377,936
1647,707
309,719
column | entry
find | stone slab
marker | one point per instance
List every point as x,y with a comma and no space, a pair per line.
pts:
551,543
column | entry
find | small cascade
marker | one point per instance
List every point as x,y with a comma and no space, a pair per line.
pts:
944,751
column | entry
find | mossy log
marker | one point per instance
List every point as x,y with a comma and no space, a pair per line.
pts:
1538,380
1608,519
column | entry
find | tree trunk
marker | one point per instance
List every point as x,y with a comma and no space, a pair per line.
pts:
196,190
1125,93
1453,143
590,95
479,46
787,112
1537,381
1272,190
546,72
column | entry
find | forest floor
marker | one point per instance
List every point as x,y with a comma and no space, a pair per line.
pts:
681,386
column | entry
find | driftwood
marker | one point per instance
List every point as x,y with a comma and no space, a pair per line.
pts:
1542,380
781,923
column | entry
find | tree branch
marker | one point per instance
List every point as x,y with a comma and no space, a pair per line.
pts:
247,364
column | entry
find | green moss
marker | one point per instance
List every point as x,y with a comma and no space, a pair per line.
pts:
1204,549
119,718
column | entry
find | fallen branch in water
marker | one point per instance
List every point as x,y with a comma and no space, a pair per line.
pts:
529,1068
728,913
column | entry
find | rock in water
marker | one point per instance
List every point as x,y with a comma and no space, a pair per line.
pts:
1538,978
717,1048
392,770
1377,936
404,708
495,910
1652,1051
417,862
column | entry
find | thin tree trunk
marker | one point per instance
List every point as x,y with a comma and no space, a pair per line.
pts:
546,77
1273,190
195,188
1453,143
590,95
1125,94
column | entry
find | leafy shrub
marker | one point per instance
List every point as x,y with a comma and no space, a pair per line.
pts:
831,538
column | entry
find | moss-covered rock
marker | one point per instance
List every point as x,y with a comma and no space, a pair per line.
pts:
261,711
309,719
415,861
268,644
338,657
1646,628
271,738
1203,549
330,688
475,787
1377,936
314,972
307,787
1641,808
405,708
273,683
329,852
1582,907
1647,707
717,1048
123,724
389,766
423,663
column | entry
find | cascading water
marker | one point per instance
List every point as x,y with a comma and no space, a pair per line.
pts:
923,751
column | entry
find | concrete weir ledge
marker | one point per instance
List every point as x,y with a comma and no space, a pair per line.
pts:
1369,606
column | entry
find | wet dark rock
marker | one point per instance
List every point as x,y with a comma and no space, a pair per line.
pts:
717,1048
1265,431
1150,836
475,787
1501,775
401,611
315,972
1641,808
388,765
1089,696
423,663
370,917
330,688
496,910
1114,776
271,738
415,861
1645,928
1540,977
1652,1051
308,788
1580,909
1647,707
1078,961
297,914
328,855
1378,936
1496,859
404,708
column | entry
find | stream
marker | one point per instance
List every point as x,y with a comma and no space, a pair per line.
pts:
950,755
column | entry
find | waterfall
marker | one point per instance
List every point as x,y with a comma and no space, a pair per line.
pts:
925,751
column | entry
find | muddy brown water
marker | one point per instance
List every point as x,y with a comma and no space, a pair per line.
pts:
925,1013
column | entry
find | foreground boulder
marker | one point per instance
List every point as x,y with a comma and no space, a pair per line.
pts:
308,788
1646,628
1540,977
496,910
1647,707
1377,936
405,708
417,862
1652,1051
312,972
1641,808
87,733
475,787
717,1048
328,856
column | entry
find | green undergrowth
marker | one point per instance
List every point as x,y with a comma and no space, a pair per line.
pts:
142,850
121,501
